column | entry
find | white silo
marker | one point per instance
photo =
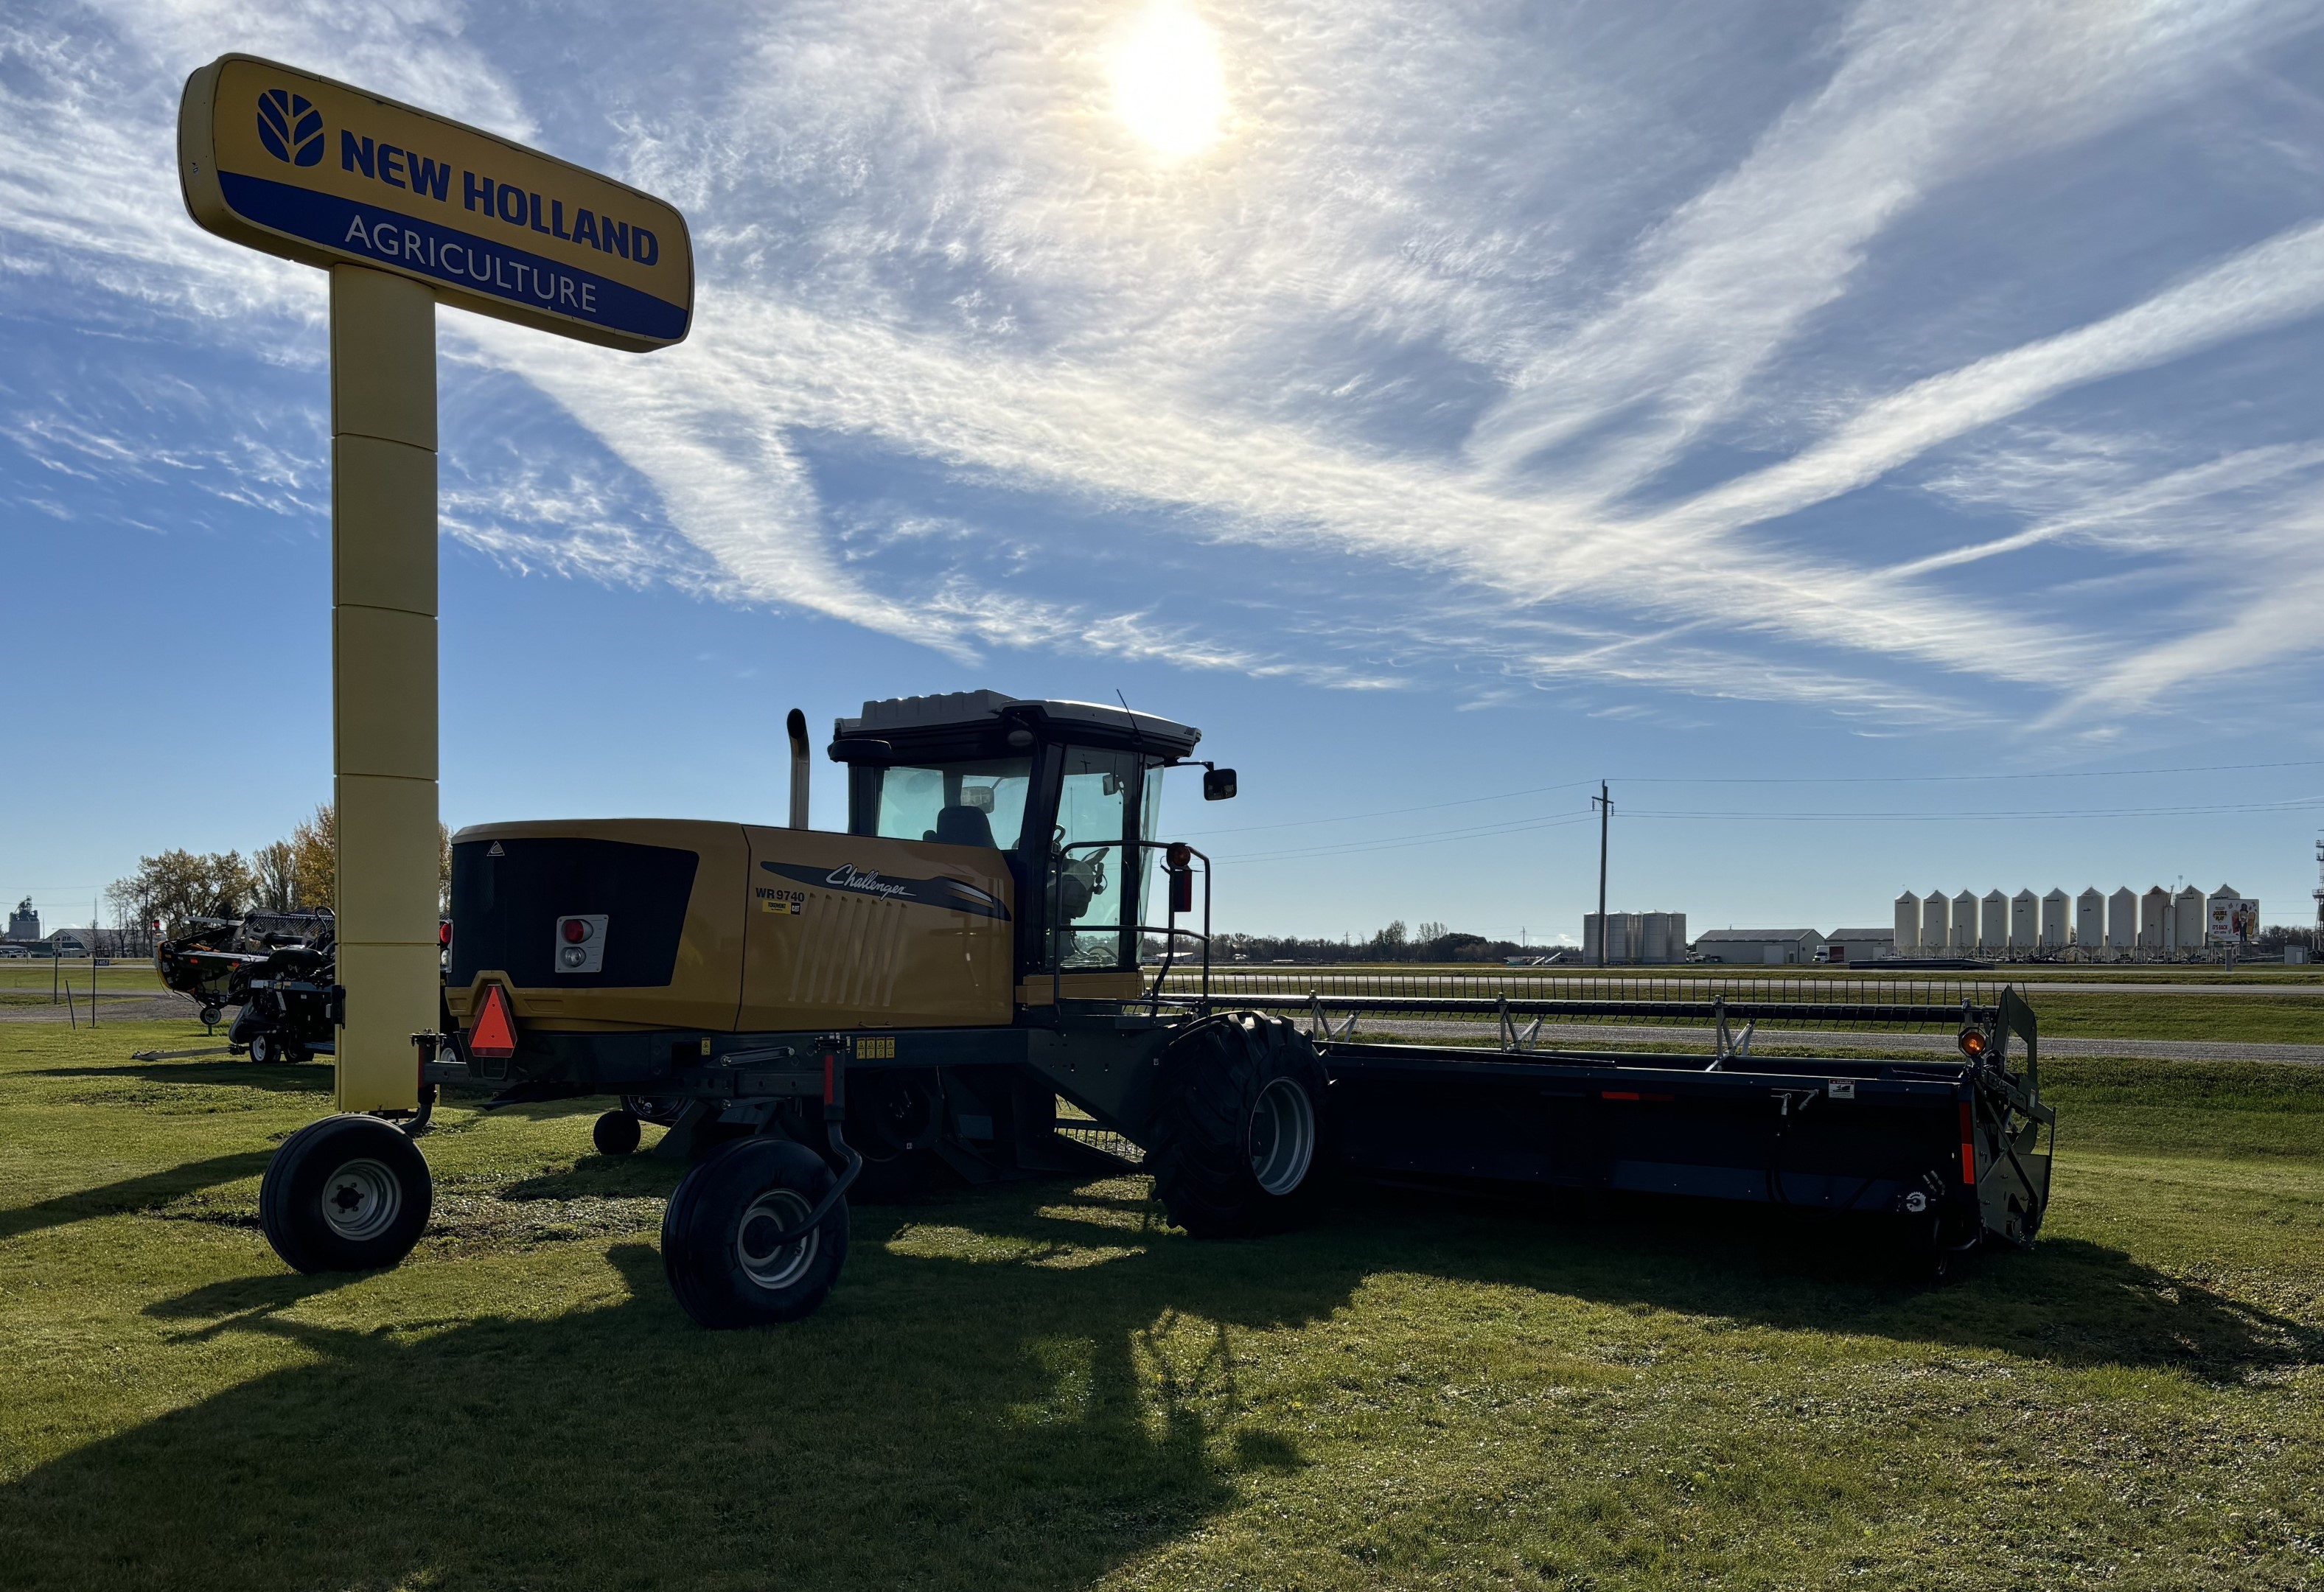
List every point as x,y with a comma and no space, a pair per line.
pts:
2187,920
1936,924
2226,896
2089,919
1655,940
2025,920
1677,936
1993,928
1965,921
2154,919
1907,928
2122,920
2054,921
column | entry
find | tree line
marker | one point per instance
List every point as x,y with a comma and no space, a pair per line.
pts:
1431,942
297,873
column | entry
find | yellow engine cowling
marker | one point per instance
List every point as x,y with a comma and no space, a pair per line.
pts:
767,930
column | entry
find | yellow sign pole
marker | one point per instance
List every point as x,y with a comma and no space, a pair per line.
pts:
405,208
383,678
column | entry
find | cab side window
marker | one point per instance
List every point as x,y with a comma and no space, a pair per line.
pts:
1090,867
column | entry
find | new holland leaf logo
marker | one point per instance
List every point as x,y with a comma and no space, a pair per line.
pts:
290,127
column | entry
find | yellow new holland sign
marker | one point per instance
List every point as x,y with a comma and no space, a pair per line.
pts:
297,165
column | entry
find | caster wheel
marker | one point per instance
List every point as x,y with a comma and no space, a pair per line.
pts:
616,1133
346,1194
718,1236
263,1051
210,1016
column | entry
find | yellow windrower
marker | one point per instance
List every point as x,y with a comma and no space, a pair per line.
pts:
384,678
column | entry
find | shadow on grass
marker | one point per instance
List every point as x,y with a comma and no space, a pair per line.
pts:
275,1078
134,1193
921,1431
946,1420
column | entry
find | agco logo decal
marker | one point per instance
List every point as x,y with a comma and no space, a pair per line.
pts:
290,127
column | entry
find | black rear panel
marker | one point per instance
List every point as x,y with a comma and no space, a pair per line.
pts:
505,910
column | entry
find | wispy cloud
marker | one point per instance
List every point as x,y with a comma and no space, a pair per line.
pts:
1500,332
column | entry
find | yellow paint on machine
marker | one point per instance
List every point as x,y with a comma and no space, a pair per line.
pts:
846,958
849,959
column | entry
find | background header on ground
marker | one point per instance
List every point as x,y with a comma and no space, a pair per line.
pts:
297,165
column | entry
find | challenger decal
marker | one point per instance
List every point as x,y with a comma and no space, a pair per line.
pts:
951,894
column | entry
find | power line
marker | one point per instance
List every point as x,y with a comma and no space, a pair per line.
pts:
1482,831
1831,815
1952,778
1392,812
1782,779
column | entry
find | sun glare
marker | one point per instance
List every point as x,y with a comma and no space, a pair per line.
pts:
1166,84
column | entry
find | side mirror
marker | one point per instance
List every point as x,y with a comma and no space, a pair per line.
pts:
1218,785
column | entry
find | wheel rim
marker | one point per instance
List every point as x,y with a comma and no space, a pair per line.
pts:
361,1199
1282,1137
259,1050
766,1263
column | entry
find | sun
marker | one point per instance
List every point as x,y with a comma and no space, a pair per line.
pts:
1168,87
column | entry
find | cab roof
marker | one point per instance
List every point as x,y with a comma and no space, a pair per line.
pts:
978,722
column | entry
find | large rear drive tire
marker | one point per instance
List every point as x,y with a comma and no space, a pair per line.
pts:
1238,1136
346,1194
715,1233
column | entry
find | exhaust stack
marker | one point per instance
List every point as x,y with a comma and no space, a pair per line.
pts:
797,725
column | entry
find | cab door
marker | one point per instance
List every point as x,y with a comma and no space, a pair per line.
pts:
1090,881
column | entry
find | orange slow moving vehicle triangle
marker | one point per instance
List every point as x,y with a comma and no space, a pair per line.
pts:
495,1032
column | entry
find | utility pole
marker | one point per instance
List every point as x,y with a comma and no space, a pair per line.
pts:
1604,802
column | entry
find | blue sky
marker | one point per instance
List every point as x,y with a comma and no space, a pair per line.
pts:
1883,439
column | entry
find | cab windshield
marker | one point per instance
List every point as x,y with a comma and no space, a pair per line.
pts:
956,805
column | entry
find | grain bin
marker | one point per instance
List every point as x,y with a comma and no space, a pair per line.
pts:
2187,932
2054,921
2089,919
1993,925
2155,919
2025,920
2122,920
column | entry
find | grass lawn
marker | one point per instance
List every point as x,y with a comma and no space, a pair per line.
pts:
1043,1388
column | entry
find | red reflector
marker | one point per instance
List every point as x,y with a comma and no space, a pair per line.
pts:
576,930
830,1079
1618,1094
1969,1148
444,934
493,1033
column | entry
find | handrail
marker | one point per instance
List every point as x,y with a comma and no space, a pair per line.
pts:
1171,932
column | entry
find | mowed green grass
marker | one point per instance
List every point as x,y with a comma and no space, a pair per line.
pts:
1044,1386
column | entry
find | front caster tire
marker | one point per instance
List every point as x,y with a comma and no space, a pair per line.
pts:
615,1134
346,1194
265,1050
716,1236
1238,1140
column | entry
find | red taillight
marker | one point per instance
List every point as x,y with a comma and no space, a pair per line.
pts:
1968,1146
576,930
444,934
